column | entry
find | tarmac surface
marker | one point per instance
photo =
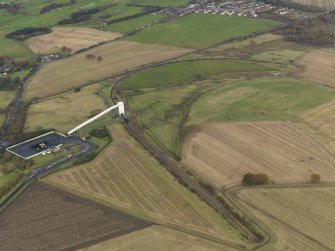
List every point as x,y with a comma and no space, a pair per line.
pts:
26,149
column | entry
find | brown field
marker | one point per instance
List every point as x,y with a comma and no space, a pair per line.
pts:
326,4
66,111
74,38
318,67
299,218
223,153
126,177
161,238
45,218
118,56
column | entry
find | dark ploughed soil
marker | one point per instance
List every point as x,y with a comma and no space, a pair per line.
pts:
47,218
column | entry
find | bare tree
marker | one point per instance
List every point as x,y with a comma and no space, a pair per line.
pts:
63,49
315,178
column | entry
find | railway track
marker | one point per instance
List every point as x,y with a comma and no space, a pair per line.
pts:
183,178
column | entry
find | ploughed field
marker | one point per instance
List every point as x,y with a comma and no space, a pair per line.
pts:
318,67
117,57
322,118
128,178
223,153
300,218
71,37
45,218
157,238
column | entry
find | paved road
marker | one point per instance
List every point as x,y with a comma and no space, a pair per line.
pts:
14,109
84,148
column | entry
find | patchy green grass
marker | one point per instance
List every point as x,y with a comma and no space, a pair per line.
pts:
61,154
5,178
262,99
20,74
188,71
259,40
160,113
2,119
132,24
100,123
201,30
285,56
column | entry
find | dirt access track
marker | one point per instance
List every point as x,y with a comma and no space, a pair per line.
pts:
46,218
74,38
223,153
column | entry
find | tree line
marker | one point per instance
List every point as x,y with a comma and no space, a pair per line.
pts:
11,8
93,57
82,15
27,32
53,6
8,83
315,32
250,179
293,5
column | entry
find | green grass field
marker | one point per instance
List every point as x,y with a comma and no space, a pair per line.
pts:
187,71
132,24
201,30
267,99
120,9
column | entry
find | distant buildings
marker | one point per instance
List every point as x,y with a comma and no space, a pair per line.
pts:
246,8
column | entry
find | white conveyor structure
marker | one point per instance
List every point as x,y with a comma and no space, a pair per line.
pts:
119,105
